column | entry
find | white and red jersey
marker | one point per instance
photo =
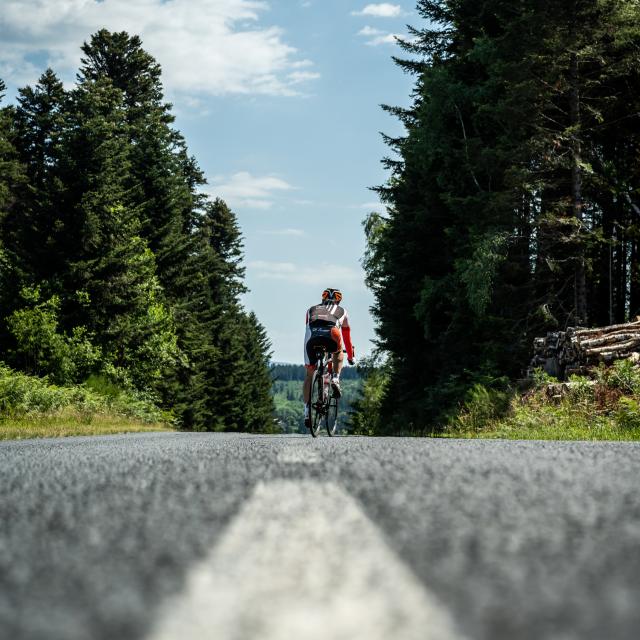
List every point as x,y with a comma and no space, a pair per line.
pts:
342,322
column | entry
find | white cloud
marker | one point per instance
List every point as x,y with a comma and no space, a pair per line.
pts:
381,10
316,275
389,38
205,47
377,36
245,190
295,77
372,206
369,31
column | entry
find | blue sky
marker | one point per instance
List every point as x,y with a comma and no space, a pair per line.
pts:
279,102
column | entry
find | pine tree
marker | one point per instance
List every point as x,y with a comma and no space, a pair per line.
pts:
11,172
230,377
259,409
164,181
35,229
498,225
13,183
118,253
109,276
166,178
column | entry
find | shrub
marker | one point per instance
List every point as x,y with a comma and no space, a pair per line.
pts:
103,385
366,409
541,378
628,414
23,395
481,407
580,390
622,375
42,349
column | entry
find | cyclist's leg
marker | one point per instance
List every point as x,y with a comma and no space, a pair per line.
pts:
337,356
338,359
306,388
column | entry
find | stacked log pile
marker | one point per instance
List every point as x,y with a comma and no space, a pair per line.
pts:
562,353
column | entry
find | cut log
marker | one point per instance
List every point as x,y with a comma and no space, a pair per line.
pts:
608,338
621,347
561,353
608,329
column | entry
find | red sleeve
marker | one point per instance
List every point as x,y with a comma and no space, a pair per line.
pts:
346,336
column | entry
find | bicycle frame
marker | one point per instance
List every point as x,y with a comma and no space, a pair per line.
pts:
324,366
322,399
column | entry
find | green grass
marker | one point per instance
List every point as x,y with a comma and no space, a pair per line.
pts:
70,423
31,407
549,424
603,407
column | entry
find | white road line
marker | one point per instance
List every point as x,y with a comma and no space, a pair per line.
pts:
299,455
301,561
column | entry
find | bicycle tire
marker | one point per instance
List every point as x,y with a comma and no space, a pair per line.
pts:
331,417
317,404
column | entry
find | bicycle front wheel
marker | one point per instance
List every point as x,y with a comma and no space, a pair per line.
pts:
317,404
331,419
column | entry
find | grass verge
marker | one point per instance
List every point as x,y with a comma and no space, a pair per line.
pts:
31,407
605,406
73,425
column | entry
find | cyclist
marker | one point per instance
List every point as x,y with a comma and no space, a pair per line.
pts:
327,324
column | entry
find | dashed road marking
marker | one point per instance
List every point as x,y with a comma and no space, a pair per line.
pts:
302,561
299,455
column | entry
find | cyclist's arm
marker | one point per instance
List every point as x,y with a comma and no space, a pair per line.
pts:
346,337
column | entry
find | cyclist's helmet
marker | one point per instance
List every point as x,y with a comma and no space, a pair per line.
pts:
332,295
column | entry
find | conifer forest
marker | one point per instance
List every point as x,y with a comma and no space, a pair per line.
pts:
114,266
512,210
513,200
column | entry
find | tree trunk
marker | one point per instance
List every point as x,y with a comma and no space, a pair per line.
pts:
576,194
634,284
621,275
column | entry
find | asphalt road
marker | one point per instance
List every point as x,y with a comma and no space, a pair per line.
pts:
227,536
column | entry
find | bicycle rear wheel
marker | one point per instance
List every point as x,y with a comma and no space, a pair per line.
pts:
317,403
331,419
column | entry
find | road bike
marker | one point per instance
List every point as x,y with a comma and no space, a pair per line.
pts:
323,407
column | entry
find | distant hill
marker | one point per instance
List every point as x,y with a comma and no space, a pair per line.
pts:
287,396
284,371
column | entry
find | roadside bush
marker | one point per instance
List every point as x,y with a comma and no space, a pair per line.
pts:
366,409
580,390
603,407
622,375
23,395
541,378
481,407
103,386
627,415
42,349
